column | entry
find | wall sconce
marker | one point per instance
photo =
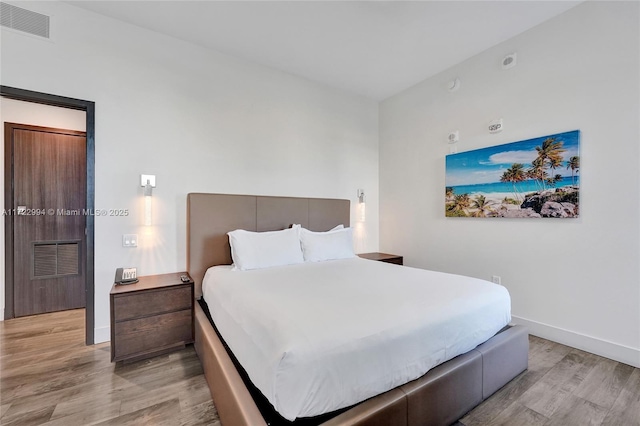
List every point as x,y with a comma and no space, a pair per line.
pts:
147,182
361,215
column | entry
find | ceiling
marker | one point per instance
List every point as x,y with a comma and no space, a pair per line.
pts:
372,48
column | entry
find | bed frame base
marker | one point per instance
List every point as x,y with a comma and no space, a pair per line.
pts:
440,397
230,395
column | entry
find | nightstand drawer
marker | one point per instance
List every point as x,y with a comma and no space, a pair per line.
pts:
148,334
154,302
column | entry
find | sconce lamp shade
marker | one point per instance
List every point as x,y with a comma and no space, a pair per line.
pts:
361,213
147,205
147,182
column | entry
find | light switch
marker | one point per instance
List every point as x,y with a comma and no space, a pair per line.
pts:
130,240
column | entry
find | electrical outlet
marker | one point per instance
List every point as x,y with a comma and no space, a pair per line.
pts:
130,240
496,279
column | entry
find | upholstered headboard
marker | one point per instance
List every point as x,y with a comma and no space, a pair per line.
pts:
211,216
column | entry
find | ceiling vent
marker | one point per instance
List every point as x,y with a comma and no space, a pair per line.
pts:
24,20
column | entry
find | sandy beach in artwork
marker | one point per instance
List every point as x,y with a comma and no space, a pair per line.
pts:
551,202
499,197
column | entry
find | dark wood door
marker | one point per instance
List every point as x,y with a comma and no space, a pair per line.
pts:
48,207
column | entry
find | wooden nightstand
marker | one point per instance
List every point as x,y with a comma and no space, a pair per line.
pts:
383,257
151,317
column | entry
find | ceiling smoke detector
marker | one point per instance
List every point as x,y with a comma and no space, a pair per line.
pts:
453,137
453,85
509,61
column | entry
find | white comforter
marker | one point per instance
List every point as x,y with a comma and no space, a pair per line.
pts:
317,337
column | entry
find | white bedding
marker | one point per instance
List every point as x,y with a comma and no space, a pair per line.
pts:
316,337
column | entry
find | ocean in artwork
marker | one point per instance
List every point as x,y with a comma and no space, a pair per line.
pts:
493,188
534,178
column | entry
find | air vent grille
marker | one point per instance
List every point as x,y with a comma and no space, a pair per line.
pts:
24,20
68,260
44,260
56,258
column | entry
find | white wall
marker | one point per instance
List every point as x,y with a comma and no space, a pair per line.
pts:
13,111
576,280
200,121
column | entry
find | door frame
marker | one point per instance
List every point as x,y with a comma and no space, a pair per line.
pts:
89,108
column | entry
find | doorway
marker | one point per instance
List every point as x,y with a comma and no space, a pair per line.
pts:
85,247
48,209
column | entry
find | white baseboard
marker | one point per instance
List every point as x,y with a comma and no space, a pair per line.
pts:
101,334
614,351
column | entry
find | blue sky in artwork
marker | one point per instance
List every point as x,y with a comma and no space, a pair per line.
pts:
487,165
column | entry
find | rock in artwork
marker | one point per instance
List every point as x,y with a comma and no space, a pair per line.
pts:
538,178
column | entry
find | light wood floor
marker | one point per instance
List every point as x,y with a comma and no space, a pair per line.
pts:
49,377
564,386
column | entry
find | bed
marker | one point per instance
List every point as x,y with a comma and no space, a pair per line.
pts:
440,396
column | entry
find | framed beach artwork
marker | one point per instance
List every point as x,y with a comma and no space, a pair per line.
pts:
533,178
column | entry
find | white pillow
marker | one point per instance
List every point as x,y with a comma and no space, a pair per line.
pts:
334,244
335,228
256,250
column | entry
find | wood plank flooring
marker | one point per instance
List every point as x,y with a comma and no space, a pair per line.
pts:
49,377
563,387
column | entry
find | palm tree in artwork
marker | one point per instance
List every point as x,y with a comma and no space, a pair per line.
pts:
574,165
448,193
549,156
482,206
461,203
537,173
553,180
514,174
